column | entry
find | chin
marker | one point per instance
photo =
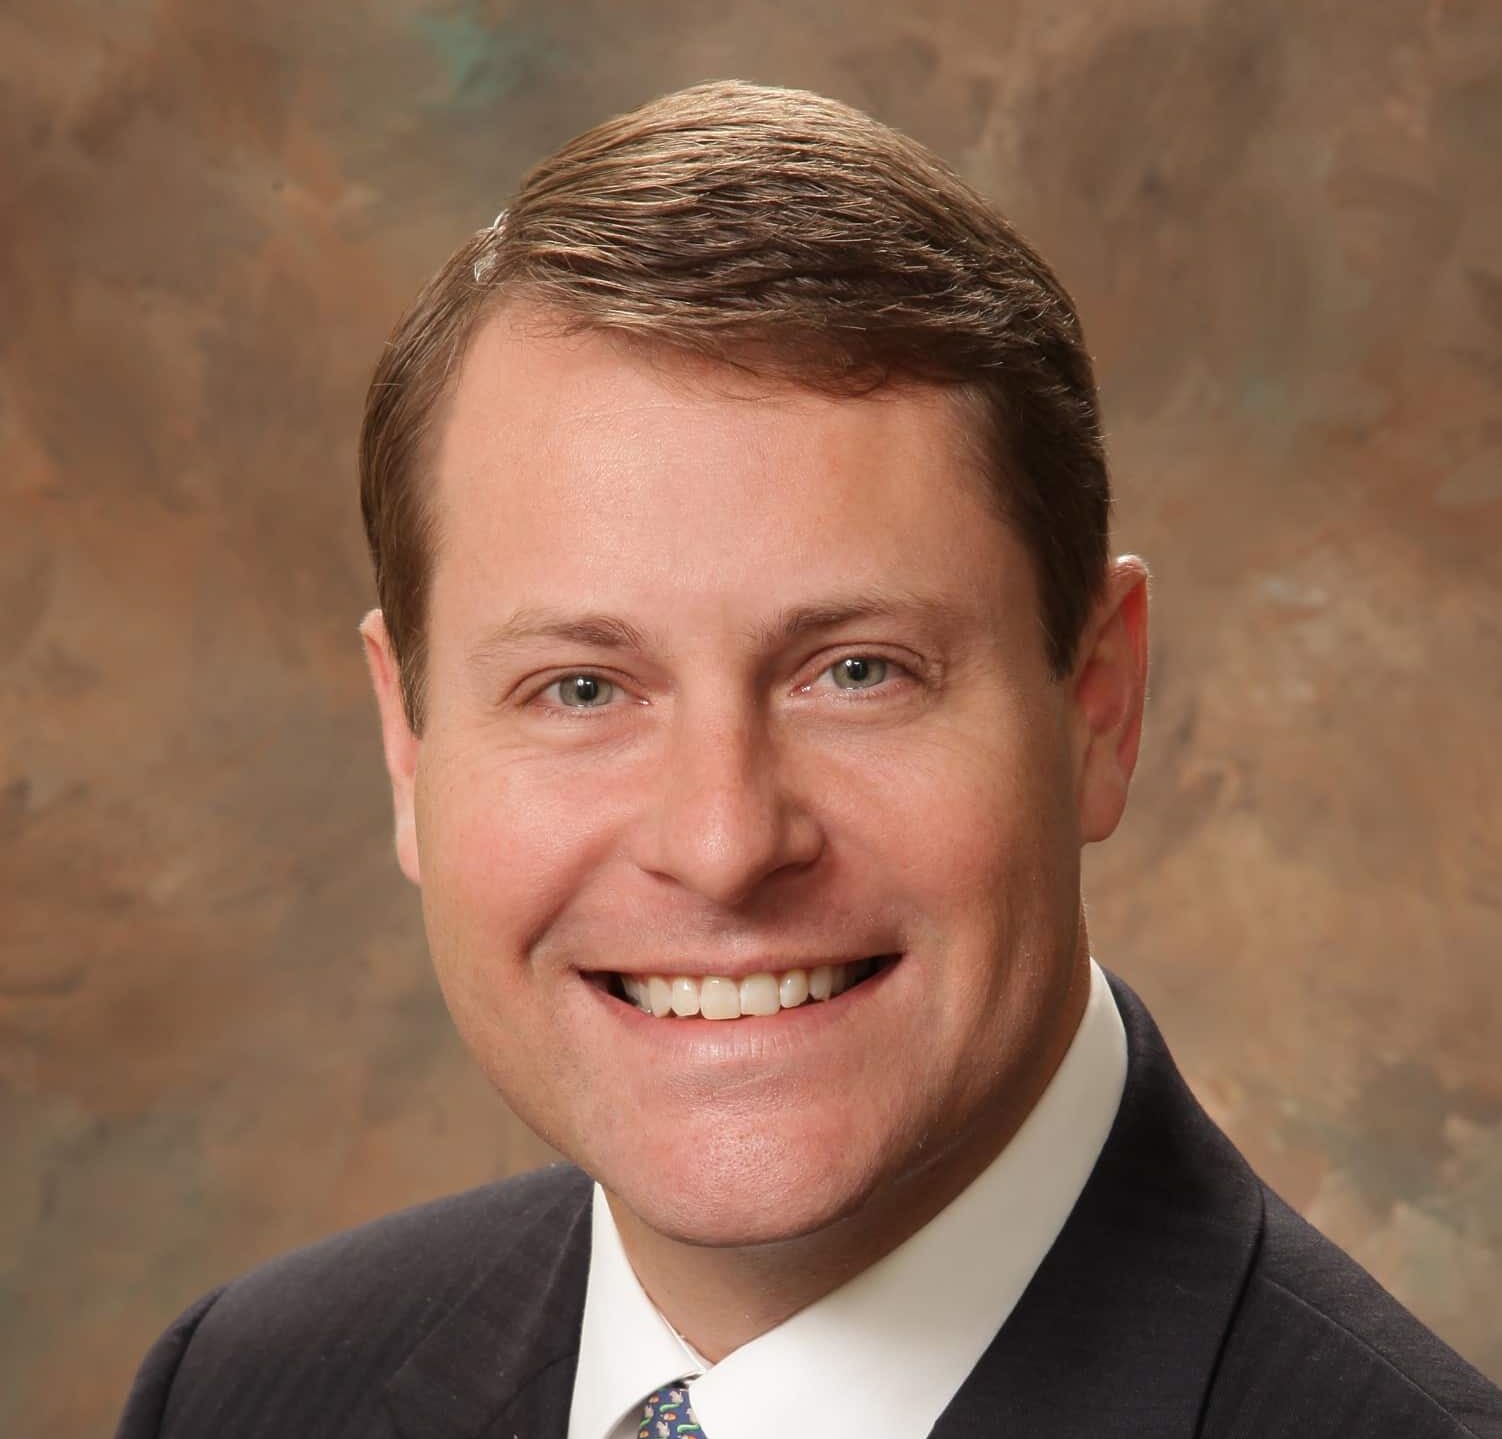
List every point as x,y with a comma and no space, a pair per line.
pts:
752,1198
729,1221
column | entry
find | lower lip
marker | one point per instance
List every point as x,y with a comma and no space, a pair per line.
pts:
760,1033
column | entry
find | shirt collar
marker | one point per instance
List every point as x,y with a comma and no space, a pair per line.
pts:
626,1348
881,1356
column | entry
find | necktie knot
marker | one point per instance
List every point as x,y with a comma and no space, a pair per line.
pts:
667,1414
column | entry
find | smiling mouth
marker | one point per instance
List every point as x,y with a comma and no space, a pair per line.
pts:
711,996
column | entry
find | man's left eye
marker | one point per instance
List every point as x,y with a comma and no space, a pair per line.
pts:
583,691
858,672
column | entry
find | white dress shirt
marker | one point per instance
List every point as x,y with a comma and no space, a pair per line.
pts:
882,1356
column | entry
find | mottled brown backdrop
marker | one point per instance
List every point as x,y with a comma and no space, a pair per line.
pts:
218,1036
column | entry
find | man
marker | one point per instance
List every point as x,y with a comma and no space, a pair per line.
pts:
751,672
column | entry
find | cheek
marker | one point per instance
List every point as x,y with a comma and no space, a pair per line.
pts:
974,812
979,838
505,844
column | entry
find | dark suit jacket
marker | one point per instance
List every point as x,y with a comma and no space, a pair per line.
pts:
1182,1298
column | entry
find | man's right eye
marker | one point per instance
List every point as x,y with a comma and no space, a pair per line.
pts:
582,691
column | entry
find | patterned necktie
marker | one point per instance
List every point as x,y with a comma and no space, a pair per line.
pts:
667,1415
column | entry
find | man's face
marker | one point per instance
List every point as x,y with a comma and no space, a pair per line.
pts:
730,678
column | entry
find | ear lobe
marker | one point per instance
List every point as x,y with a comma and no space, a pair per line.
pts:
401,745
1108,694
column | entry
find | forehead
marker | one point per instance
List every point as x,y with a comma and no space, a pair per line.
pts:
527,382
587,467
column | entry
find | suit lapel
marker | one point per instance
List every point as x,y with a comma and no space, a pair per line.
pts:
1117,1335
1121,1328
502,1360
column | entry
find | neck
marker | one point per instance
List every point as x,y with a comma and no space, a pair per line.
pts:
719,1298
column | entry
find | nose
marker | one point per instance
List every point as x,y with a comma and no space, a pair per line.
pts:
725,821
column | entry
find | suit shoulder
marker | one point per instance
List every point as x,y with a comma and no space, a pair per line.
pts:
350,1307
1319,1349
433,1248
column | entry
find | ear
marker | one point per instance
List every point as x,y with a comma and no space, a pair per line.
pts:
401,744
1107,691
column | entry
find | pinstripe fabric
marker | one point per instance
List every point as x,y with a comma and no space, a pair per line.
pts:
1181,1300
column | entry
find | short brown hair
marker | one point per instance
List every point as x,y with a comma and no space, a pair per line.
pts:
787,233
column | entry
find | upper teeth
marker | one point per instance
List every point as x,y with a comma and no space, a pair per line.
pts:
713,997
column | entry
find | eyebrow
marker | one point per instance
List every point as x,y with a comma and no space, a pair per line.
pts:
526,626
880,604
610,632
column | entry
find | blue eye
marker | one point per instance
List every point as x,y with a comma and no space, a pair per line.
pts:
858,672
583,691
